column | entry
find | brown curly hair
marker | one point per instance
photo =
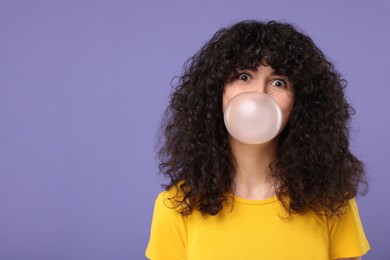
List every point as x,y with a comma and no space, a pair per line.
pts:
314,166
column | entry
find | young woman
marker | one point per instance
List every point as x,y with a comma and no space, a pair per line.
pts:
290,197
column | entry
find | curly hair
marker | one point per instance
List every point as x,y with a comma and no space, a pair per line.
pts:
314,167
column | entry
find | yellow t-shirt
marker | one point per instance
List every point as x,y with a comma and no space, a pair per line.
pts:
253,230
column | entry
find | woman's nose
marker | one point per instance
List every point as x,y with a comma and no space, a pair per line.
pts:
260,87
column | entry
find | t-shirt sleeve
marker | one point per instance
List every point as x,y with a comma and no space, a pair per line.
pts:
347,238
168,232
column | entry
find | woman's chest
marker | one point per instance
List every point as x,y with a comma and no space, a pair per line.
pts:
253,233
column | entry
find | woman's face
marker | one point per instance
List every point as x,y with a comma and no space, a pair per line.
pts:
264,80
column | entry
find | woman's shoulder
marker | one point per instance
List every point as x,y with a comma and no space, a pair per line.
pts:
346,233
172,197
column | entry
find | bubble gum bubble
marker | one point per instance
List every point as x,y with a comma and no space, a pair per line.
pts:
253,117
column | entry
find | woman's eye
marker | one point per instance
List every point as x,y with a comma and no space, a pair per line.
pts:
244,77
279,83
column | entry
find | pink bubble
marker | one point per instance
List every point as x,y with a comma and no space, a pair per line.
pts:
253,117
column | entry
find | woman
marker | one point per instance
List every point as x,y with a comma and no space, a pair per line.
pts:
291,197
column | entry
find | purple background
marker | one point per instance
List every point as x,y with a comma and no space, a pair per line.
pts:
83,85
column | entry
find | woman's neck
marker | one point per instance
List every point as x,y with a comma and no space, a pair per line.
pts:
251,180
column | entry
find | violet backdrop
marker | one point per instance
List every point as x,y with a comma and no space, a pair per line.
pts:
83,85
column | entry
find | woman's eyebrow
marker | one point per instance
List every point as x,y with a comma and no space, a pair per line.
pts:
242,70
279,75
